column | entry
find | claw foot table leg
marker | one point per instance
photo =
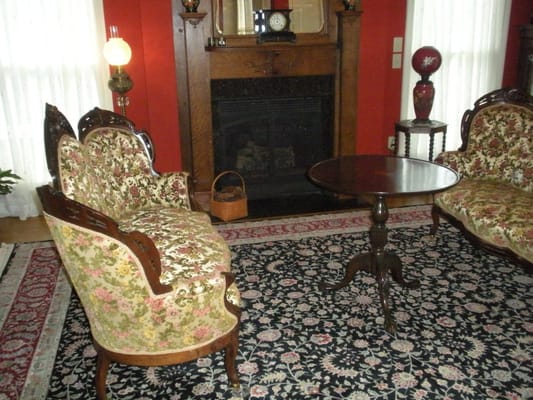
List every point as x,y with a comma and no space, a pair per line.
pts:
377,262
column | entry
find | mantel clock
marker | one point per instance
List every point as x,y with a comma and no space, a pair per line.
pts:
274,26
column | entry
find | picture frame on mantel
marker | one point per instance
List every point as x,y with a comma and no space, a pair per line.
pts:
197,64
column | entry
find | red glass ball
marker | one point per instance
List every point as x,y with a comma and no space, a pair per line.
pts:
426,60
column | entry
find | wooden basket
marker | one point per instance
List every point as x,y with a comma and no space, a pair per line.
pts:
231,202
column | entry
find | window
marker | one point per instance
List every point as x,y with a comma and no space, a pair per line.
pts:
51,52
471,36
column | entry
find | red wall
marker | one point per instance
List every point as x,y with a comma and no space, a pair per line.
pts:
147,26
379,94
521,14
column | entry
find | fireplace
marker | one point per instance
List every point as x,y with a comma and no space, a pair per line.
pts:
228,78
271,130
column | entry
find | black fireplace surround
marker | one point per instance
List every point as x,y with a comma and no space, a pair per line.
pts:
271,130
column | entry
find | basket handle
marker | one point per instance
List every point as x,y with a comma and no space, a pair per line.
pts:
221,175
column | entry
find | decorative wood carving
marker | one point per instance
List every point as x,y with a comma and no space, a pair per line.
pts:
334,51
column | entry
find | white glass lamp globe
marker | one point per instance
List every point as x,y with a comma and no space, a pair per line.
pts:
117,52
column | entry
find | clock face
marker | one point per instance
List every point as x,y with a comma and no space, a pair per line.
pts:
277,21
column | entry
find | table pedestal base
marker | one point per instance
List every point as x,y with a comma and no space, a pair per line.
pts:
377,262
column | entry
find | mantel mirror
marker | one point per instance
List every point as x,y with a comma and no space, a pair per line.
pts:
236,17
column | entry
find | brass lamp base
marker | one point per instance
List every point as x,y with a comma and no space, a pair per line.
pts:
120,83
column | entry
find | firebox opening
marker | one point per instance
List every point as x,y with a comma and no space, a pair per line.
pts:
272,130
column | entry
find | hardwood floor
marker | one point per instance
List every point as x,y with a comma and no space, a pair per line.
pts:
13,230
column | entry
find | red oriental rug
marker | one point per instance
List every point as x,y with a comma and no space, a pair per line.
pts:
34,296
34,292
319,225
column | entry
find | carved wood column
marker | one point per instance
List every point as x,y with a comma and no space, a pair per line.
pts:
193,94
348,29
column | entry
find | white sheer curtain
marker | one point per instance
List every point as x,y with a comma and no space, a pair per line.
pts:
471,36
50,51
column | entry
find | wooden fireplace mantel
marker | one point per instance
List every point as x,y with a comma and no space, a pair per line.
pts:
334,51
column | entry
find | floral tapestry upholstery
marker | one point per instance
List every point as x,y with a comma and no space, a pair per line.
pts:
192,252
124,314
77,182
500,146
494,199
112,174
495,211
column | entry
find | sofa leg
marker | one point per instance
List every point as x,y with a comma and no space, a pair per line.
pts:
230,359
102,366
436,220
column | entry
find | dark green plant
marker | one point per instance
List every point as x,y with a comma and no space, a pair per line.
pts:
7,180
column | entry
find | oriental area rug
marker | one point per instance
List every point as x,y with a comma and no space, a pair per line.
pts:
466,333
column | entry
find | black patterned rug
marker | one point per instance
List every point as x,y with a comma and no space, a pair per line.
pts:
466,333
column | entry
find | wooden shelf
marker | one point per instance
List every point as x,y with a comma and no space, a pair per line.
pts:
259,61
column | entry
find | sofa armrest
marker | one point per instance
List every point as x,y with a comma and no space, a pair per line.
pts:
57,207
456,160
116,289
171,189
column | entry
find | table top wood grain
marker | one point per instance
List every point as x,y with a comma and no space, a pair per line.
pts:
381,175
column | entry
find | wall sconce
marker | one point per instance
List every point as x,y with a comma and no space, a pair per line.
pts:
117,54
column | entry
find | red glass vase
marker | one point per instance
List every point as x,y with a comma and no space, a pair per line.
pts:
426,60
423,95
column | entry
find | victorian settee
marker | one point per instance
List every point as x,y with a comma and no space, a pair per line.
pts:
152,274
493,202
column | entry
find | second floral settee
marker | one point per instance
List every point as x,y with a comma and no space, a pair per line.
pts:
493,203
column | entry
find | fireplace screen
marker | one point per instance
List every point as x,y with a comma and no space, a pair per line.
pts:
272,141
